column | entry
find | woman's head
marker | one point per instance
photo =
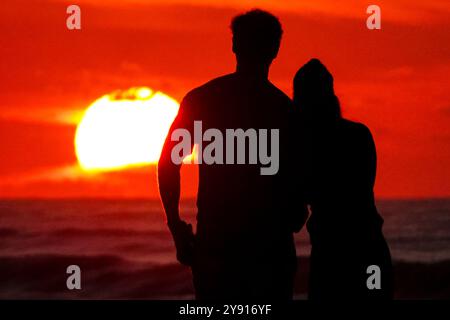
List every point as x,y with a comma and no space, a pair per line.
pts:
314,92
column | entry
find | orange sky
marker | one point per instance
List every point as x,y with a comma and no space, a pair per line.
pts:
395,80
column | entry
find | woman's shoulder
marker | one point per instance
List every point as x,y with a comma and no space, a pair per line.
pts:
355,132
354,127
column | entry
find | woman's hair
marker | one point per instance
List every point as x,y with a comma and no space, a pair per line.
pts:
314,93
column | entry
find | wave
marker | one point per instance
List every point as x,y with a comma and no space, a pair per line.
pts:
113,277
103,277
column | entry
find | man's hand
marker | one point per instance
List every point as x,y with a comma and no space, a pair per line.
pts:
300,218
184,241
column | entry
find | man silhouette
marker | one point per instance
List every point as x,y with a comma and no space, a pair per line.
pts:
243,247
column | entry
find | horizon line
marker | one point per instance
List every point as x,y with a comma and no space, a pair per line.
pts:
142,198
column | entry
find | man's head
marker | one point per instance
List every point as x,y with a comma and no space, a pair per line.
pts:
256,36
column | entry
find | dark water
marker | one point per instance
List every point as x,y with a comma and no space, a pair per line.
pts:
125,249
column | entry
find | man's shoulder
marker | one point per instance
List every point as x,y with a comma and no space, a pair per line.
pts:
227,85
209,87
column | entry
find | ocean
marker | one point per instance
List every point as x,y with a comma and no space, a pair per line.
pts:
125,250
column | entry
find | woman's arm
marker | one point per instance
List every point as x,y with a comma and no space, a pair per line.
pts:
371,158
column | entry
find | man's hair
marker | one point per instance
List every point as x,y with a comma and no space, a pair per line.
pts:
256,35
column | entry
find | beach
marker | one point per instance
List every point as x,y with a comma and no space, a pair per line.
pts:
125,251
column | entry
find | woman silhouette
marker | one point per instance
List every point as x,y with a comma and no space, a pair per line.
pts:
349,256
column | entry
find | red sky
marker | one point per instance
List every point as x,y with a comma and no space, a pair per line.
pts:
395,80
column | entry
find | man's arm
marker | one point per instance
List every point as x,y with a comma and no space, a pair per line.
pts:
169,182
169,188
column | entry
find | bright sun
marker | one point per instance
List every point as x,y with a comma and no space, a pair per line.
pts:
124,128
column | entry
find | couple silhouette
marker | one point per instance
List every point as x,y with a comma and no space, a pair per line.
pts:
244,247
